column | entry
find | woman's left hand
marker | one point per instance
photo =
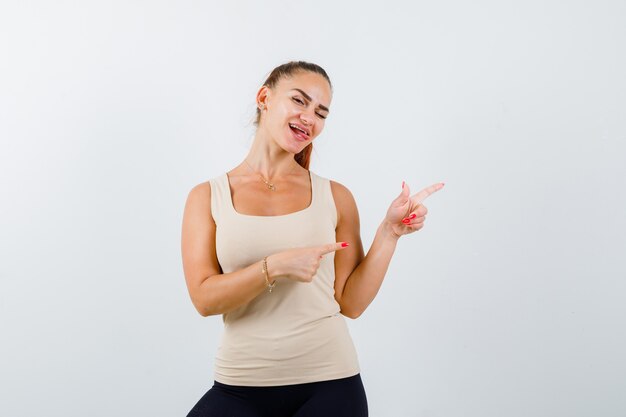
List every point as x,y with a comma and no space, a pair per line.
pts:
407,213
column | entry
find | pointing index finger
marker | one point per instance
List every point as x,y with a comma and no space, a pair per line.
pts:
332,247
426,192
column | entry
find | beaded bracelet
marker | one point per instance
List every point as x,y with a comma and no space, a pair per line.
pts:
267,276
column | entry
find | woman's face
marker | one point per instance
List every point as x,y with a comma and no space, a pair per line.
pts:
296,104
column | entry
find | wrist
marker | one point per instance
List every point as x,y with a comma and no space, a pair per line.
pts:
272,267
269,281
387,231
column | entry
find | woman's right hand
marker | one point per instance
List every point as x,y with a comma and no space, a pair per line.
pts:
300,264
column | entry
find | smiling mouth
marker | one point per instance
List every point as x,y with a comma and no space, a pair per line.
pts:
298,133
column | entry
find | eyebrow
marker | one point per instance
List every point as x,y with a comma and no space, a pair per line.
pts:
309,98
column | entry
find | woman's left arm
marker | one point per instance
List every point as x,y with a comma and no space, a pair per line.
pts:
357,277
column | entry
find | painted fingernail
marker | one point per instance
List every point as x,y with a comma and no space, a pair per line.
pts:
406,221
344,244
403,185
413,216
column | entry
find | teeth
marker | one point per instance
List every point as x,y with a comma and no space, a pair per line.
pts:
296,127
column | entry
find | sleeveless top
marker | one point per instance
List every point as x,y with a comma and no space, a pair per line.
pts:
295,334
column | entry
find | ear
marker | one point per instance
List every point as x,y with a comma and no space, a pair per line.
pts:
262,96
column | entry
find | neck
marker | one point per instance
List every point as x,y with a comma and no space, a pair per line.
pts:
269,159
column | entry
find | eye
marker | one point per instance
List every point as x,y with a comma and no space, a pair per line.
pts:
299,101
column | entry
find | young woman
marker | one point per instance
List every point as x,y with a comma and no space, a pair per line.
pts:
276,250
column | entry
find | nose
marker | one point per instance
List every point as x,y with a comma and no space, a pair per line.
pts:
307,118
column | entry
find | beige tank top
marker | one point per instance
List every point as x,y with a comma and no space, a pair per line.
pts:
295,334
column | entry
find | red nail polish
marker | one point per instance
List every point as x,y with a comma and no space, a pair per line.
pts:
403,185
344,244
406,221
413,216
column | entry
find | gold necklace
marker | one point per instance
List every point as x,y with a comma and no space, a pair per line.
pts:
269,185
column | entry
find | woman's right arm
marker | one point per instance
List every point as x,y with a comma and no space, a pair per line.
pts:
211,291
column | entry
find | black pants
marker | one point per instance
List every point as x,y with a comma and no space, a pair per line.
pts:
343,397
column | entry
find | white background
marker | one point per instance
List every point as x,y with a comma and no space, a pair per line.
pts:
509,302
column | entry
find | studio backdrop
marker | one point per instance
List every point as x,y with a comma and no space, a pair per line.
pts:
509,302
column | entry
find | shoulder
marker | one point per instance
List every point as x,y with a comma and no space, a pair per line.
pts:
344,200
198,201
200,191
340,191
